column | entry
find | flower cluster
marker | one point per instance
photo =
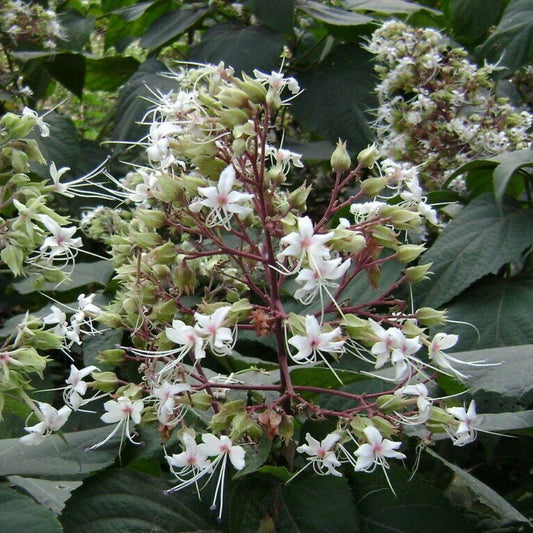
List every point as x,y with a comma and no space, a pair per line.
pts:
210,247
437,110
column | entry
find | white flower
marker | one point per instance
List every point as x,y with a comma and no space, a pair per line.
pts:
187,337
222,447
314,342
192,462
121,412
423,403
43,126
166,405
376,451
465,431
277,81
222,200
76,387
210,327
305,243
61,243
51,420
55,174
321,454
387,341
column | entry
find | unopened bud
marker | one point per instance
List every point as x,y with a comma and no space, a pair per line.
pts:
105,381
373,186
113,357
409,252
417,273
431,317
340,159
298,198
184,278
368,156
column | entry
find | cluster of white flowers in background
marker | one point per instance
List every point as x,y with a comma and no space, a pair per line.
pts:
437,110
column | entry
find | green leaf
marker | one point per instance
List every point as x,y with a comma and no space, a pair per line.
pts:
50,494
510,163
109,73
62,146
470,24
511,421
170,26
245,48
323,377
133,12
278,15
500,309
512,377
69,70
417,506
99,272
20,513
78,30
332,15
484,493
337,94
308,504
256,456
386,6
128,500
56,458
511,43
477,242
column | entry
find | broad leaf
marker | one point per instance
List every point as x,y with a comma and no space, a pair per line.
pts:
77,28
511,43
133,12
308,504
50,494
69,70
337,94
417,506
484,493
470,24
477,242
332,15
385,6
278,15
511,421
245,48
109,73
323,377
512,377
62,146
54,458
500,309
127,500
510,163
170,26
20,513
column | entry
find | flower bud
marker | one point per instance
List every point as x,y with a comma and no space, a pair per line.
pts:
384,426
298,198
144,240
431,317
184,278
233,117
358,329
345,240
411,329
389,403
13,257
44,340
438,420
409,252
340,159
417,273
273,99
385,236
17,126
151,218
255,90
113,357
105,381
233,97
373,186
239,147
368,156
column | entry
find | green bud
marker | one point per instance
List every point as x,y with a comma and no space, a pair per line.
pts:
105,381
411,329
340,159
144,240
431,317
234,98
151,218
358,329
198,400
239,147
233,117
403,218
385,236
368,156
373,186
409,252
417,273
275,175
171,189
255,90
438,420
240,311
286,428
345,240
161,271
131,390
113,357
19,161
298,198
273,99
184,278
389,403
31,360
163,311
45,340
111,320
18,126
384,426
13,257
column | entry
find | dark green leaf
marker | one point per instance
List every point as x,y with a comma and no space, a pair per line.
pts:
471,22
511,43
512,377
323,377
256,456
385,6
69,70
127,500
484,493
78,30
500,309
512,421
278,15
337,95
50,494
133,12
20,513
417,506
510,163
332,15
62,147
245,48
477,242
109,73
170,26
308,504
55,458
